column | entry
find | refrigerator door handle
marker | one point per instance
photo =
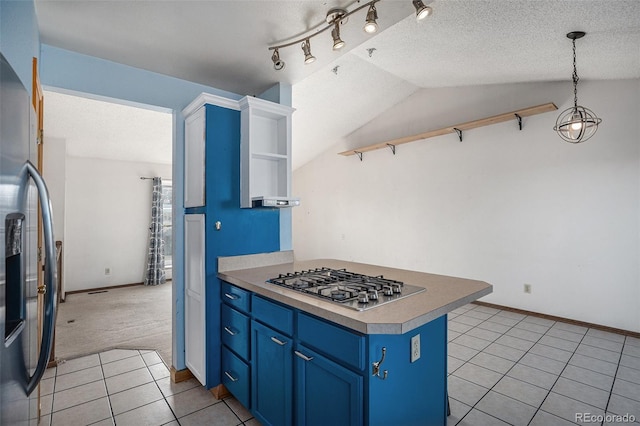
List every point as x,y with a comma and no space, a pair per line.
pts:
49,309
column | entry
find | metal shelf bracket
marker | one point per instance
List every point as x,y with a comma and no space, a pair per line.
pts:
459,132
359,154
393,148
519,118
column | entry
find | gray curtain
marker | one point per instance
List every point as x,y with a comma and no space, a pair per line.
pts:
155,259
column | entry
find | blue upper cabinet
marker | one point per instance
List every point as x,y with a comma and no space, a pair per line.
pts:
212,189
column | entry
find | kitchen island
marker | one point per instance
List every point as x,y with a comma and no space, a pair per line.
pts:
292,358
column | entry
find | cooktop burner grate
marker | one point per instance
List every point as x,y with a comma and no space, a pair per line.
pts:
350,289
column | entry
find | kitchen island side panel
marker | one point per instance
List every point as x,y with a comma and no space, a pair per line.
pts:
416,390
242,231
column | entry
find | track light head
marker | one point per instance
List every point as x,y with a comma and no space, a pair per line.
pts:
335,33
370,25
422,11
306,49
278,63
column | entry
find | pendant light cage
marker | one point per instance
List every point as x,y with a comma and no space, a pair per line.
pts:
577,123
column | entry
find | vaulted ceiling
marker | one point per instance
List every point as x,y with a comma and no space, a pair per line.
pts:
225,44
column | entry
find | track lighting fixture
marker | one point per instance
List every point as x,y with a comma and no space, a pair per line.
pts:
335,18
306,49
278,64
576,124
371,26
335,33
422,11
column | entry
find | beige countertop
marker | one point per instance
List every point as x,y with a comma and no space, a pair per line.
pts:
443,294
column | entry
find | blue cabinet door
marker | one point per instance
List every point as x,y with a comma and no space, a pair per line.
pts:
326,393
272,369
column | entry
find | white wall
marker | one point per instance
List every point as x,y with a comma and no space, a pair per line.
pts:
503,206
54,171
108,211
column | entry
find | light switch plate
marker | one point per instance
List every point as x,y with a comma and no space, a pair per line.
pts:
415,348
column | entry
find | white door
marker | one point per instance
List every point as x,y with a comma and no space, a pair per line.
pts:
194,284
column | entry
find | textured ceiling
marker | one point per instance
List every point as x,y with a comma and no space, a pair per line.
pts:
224,44
99,129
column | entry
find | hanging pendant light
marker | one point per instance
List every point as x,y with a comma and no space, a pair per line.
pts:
576,124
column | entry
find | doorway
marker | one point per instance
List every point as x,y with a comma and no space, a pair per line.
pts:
95,153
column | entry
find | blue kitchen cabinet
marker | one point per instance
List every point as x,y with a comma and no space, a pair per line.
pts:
306,370
326,392
236,325
272,372
236,376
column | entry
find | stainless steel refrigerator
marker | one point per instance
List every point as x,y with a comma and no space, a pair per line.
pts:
21,187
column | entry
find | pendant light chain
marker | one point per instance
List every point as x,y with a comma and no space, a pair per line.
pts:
575,77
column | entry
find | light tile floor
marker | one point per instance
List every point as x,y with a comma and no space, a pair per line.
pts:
504,369
130,387
507,368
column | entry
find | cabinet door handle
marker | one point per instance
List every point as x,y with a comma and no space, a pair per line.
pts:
303,356
278,341
230,331
232,296
233,379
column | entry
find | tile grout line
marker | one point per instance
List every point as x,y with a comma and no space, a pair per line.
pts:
566,363
107,389
539,408
613,383
490,389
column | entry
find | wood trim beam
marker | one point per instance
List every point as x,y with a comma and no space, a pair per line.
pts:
561,319
178,376
500,118
220,391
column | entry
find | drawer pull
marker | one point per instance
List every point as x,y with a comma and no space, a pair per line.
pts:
233,379
230,331
278,341
232,296
303,356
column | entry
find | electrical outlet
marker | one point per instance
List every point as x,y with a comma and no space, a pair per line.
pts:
527,288
107,271
415,348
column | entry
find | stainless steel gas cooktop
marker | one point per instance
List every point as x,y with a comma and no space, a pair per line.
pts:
349,289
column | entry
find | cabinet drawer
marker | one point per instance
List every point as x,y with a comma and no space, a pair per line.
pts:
235,331
276,316
236,376
235,296
332,340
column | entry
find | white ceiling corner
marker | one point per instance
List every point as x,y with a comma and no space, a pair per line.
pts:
99,129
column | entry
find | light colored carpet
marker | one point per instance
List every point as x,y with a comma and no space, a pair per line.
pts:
136,317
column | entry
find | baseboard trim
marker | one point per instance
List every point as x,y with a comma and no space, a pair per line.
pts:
220,391
555,318
178,376
112,287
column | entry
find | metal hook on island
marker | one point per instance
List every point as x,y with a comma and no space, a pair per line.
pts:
376,366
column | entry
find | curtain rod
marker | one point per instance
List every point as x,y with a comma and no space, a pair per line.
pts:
145,178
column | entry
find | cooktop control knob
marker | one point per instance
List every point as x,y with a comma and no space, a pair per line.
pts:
397,289
388,291
363,297
373,295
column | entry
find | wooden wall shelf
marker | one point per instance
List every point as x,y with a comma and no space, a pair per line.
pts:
456,128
